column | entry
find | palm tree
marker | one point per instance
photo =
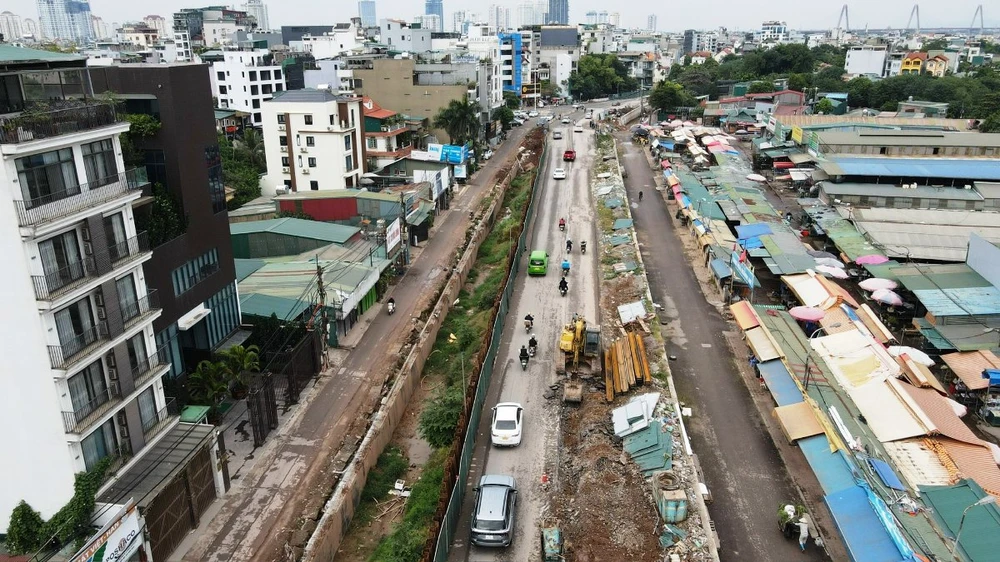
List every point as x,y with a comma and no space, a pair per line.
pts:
460,119
251,146
240,361
209,383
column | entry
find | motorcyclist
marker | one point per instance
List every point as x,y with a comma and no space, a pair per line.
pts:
569,245
529,320
565,266
533,343
563,285
524,353
562,223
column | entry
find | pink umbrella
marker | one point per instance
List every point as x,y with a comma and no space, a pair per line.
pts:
876,283
871,259
807,313
888,297
834,272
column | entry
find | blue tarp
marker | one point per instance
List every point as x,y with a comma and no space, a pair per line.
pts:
780,383
885,472
831,469
864,536
669,145
685,201
720,269
751,243
888,523
993,375
753,230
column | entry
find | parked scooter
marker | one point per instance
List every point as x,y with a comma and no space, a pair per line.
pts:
390,306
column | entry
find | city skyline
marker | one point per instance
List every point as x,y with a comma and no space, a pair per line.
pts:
735,15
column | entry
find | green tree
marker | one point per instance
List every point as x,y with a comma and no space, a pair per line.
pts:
760,87
991,124
511,100
440,418
935,45
251,149
24,533
600,75
799,82
824,106
504,115
240,362
830,79
460,119
859,92
165,219
667,95
141,127
208,385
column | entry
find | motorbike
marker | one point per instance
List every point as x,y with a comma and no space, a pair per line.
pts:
527,326
563,290
562,226
524,363
531,350
583,247
391,307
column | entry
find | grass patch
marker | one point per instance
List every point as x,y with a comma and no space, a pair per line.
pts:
408,538
605,218
391,466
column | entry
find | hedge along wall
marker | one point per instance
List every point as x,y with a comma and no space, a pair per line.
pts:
339,510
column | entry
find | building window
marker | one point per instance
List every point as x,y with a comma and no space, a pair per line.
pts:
193,272
348,162
76,328
254,90
312,162
314,185
372,143
61,261
298,160
278,87
100,444
333,120
265,74
347,142
266,89
147,409
281,118
255,104
310,141
114,230
138,357
883,150
257,117
352,118
47,177
277,75
288,184
253,75
99,161
156,166
221,75
222,90
88,391
284,161
309,119
216,188
128,297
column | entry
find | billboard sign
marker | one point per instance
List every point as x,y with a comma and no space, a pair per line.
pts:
117,541
742,269
797,134
392,236
449,153
461,172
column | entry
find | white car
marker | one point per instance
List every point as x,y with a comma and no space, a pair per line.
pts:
565,120
506,427
487,155
533,114
578,129
559,174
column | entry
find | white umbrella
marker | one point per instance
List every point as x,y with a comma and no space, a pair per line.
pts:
913,353
756,177
830,262
888,297
876,283
834,272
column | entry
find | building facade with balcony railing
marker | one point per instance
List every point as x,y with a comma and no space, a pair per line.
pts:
78,315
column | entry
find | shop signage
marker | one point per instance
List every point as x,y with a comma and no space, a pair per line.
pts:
392,236
117,541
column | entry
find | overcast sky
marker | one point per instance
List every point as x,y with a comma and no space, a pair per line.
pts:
680,15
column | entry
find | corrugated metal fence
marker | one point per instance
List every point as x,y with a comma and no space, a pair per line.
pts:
449,526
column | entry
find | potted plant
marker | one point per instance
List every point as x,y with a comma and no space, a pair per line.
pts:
208,385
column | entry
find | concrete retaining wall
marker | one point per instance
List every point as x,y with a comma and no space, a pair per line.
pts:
339,510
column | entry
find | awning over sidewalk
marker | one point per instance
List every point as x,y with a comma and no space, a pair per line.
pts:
762,345
969,366
745,315
865,536
798,421
780,382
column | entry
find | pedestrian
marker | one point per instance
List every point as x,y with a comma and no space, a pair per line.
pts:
640,195
803,533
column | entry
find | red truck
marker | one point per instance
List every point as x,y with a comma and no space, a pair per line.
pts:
569,156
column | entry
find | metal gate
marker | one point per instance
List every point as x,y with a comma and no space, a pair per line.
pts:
178,507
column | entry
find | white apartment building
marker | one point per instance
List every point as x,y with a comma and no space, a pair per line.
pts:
10,26
81,374
159,23
222,32
68,20
314,140
245,79
866,60
430,22
772,32
345,38
401,36
258,10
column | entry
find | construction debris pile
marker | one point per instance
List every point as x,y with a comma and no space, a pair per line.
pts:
625,365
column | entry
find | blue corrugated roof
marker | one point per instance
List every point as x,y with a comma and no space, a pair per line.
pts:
886,474
961,301
831,469
780,383
980,169
720,269
752,230
864,536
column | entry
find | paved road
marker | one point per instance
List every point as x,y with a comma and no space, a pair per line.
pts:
741,465
270,497
539,296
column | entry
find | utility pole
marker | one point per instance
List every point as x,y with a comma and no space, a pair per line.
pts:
324,321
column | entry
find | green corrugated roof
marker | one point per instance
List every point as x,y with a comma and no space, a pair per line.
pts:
943,276
246,268
9,53
224,113
314,230
982,523
256,304
291,279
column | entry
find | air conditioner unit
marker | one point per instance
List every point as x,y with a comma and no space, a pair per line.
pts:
110,359
281,128
102,313
112,373
99,299
88,249
305,171
385,128
85,234
284,169
283,149
304,150
330,128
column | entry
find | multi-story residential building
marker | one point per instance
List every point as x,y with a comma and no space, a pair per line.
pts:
615,20
695,41
558,13
68,20
190,24
257,9
651,22
387,136
557,54
430,22
774,32
10,26
436,8
138,34
913,63
511,66
30,28
159,23
245,79
79,308
314,141
367,13
344,38
499,17
937,65
865,60
400,36
102,31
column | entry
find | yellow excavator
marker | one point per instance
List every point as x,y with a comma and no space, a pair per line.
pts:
581,346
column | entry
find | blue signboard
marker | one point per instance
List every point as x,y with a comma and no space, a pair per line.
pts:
742,270
454,154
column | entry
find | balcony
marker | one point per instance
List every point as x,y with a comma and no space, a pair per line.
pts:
73,199
62,356
150,367
81,419
58,283
135,312
34,125
162,420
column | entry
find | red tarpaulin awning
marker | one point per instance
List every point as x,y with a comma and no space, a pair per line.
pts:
783,165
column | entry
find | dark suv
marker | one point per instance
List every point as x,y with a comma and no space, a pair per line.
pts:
493,519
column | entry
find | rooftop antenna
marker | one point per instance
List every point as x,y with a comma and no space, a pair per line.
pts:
972,26
914,12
